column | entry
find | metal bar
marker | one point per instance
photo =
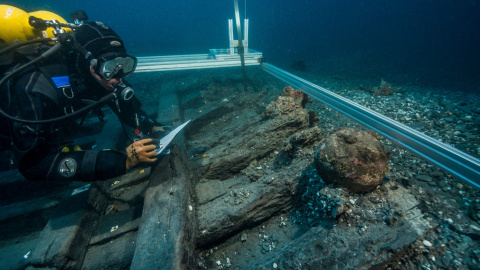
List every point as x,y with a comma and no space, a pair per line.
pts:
217,58
191,65
230,37
245,35
237,22
460,164
241,49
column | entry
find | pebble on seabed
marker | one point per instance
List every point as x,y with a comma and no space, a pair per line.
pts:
427,243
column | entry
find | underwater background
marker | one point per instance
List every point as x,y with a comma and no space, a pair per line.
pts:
425,42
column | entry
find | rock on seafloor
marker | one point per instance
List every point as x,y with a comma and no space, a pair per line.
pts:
352,158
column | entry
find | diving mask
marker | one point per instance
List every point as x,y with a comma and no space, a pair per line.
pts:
110,66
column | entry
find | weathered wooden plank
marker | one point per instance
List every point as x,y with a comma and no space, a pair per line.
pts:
63,241
166,237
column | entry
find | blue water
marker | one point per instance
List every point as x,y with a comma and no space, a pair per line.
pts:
433,41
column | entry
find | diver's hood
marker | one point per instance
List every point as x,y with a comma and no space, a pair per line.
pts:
94,39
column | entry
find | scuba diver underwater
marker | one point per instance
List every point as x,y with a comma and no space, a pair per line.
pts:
52,79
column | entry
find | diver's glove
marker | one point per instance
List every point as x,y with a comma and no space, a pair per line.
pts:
140,151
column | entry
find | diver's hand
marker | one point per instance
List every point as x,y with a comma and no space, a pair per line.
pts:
140,151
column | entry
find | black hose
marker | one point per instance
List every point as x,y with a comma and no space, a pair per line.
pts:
25,43
87,108
42,57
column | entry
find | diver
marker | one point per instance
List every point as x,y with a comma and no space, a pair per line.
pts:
92,68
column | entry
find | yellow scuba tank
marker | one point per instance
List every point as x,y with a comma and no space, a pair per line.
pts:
47,16
14,26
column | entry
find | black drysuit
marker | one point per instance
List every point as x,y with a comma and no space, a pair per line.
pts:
49,90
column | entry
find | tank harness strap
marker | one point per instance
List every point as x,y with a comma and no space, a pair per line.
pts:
89,163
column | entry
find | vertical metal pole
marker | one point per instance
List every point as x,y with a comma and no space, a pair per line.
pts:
230,37
245,35
245,9
240,44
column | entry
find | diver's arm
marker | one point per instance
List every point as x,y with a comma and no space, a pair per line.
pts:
132,115
76,165
87,165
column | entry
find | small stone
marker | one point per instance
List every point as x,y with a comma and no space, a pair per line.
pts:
427,243
243,238
475,228
423,178
338,210
275,265
370,215
449,119
436,174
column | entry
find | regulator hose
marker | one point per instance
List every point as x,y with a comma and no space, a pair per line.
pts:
25,43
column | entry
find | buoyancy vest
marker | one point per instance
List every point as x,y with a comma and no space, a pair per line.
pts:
52,82
56,71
